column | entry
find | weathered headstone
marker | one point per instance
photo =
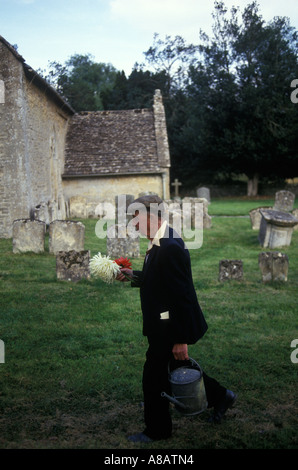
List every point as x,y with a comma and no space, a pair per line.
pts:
274,266
122,202
105,209
276,228
78,207
256,217
41,212
204,192
207,219
284,201
230,270
73,265
295,214
173,215
66,235
120,242
28,235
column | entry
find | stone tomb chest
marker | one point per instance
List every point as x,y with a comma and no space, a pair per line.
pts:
276,228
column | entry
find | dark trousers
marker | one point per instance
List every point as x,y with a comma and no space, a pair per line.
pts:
155,381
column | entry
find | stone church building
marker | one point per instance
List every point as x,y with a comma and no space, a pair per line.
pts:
50,155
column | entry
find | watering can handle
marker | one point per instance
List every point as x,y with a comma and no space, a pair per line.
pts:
193,363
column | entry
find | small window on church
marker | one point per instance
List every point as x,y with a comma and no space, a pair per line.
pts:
2,92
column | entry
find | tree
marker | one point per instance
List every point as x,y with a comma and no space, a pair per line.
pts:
171,57
240,92
82,82
134,92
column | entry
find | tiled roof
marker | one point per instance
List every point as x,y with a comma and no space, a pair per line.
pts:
111,142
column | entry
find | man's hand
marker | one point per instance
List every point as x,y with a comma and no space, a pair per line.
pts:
127,272
180,352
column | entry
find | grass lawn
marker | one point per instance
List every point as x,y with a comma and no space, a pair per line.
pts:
74,352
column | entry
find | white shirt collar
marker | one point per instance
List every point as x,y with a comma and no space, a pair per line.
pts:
159,234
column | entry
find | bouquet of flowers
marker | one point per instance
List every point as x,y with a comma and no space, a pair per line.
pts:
107,269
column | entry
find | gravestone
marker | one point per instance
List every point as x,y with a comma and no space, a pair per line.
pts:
176,185
284,201
41,212
105,209
78,207
28,235
66,235
230,270
276,228
256,217
122,202
73,265
204,192
121,242
274,266
295,214
207,219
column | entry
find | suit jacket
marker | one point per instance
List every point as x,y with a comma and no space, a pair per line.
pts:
166,285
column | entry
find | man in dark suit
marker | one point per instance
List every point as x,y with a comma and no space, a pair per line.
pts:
172,318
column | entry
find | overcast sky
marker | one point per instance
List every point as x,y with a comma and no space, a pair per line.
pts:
113,31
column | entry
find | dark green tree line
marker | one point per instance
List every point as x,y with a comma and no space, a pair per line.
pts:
227,98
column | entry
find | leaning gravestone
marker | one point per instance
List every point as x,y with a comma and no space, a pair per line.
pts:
284,201
230,270
256,217
121,242
274,266
276,228
28,235
66,235
73,265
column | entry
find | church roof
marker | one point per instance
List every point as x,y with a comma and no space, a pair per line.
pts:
111,142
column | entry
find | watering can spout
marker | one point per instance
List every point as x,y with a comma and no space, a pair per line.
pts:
173,400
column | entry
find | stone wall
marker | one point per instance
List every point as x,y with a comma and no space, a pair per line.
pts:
99,189
32,136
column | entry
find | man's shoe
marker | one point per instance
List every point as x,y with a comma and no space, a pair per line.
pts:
227,402
140,437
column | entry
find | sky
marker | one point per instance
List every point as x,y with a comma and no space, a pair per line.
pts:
112,31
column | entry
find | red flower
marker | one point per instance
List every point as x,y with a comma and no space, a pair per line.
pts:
123,262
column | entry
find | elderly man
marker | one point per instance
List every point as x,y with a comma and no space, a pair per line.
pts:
172,318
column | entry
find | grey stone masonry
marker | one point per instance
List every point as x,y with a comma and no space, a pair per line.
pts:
73,265
230,270
276,228
66,235
284,201
28,235
121,243
274,266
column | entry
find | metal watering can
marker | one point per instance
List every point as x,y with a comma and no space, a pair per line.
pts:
188,389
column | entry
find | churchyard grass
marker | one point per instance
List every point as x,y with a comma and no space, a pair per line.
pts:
74,352
240,207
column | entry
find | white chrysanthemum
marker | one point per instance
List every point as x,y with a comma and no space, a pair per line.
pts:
104,268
